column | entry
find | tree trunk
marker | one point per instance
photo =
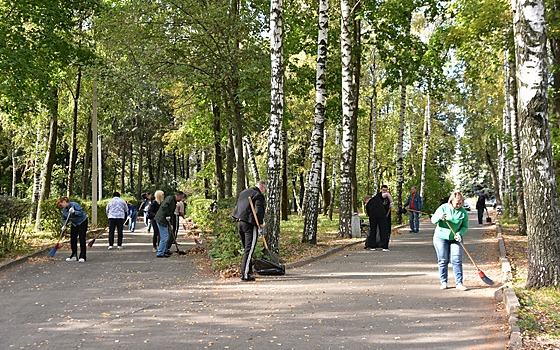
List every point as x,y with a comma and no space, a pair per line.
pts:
539,176
50,156
285,188
357,72
123,168
139,184
14,171
230,161
36,177
334,176
347,115
311,208
554,40
427,133
374,115
86,180
218,161
272,215
400,137
516,166
73,148
251,158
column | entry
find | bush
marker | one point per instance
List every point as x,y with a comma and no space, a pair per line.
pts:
13,217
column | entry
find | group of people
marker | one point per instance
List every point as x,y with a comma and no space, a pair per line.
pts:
161,214
451,221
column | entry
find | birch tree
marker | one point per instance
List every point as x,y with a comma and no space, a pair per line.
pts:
539,176
427,133
347,113
272,217
311,208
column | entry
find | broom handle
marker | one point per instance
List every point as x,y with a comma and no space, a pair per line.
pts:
257,220
418,211
462,245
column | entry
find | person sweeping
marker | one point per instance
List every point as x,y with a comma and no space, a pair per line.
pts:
78,230
452,222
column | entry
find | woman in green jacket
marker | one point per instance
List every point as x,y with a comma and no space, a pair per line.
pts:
447,241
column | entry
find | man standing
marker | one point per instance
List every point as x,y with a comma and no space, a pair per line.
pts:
163,220
481,206
414,203
116,210
378,222
248,227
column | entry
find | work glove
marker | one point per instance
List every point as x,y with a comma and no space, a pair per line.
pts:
261,231
168,218
63,228
392,204
71,210
458,237
443,217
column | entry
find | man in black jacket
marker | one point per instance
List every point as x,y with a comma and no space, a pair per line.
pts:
163,220
248,227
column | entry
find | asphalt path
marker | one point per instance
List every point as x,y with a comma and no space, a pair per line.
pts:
353,299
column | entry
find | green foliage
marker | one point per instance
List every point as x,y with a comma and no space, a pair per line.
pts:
13,215
198,209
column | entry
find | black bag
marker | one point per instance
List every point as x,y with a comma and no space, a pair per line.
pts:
488,219
268,268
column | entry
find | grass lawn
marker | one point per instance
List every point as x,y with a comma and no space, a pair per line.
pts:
539,316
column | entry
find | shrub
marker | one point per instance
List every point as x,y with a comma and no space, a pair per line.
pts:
13,216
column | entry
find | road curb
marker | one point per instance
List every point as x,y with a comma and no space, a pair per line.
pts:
507,294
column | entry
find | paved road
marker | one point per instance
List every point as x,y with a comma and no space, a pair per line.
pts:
354,299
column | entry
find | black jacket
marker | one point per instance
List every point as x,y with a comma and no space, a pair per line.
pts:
243,211
374,208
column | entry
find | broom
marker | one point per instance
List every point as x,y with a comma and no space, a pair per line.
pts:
174,241
272,256
481,274
55,248
91,241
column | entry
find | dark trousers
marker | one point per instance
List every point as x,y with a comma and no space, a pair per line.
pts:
480,215
80,232
248,234
378,224
155,237
118,223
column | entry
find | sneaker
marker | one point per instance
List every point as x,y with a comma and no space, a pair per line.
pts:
72,258
460,286
385,250
163,256
120,247
372,249
154,250
443,285
110,247
82,260
248,279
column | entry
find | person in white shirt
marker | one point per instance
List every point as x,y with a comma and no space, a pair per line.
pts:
116,210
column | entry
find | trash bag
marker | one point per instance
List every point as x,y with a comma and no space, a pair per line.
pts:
268,268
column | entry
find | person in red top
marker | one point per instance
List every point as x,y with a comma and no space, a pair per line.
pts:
414,202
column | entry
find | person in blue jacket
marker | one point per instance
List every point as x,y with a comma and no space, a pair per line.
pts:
79,224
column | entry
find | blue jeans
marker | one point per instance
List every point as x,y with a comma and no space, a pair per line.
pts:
445,251
414,221
163,238
132,221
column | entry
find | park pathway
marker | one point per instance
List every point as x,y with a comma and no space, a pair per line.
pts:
354,299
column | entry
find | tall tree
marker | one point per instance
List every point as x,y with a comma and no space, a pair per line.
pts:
273,199
539,176
347,115
311,208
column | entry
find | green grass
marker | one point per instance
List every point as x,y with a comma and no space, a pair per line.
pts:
540,312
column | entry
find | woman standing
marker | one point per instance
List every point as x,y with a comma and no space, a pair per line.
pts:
447,243
79,221
152,210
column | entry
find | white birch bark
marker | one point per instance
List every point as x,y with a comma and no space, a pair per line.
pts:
311,208
251,157
275,129
374,111
539,176
347,112
426,144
